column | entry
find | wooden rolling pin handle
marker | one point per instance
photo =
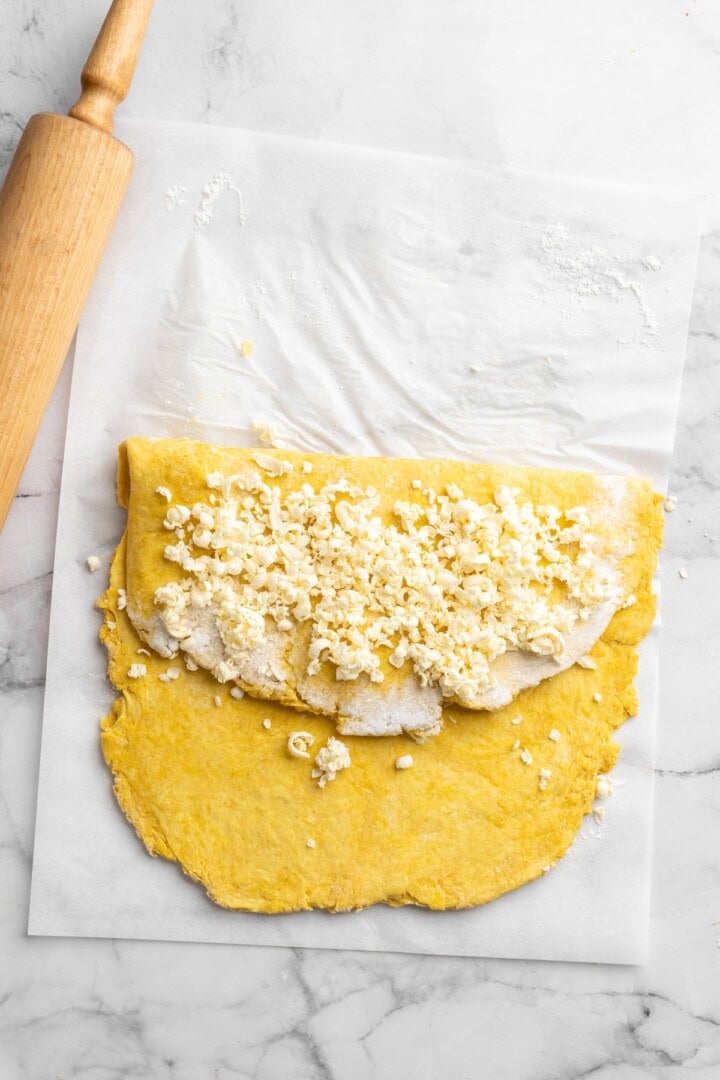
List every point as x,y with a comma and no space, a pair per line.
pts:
60,198
97,103
110,66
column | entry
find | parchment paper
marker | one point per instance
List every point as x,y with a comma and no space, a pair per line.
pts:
398,305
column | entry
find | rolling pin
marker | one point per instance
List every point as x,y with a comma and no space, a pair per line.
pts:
58,205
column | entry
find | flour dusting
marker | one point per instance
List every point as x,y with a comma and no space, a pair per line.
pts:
636,288
175,196
218,183
595,272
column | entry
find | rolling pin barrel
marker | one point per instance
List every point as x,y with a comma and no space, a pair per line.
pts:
58,204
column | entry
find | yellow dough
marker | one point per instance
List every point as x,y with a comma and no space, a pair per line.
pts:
211,787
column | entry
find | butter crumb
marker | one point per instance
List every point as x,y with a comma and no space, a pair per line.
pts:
554,734
599,814
597,697
587,662
310,843
330,759
237,693
307,466
111,624
165,492
516,745
630,600
542,783
121,599
176,515
265,432
517,719
267,723
526,757
217,700
404,762
299,743
603,788
272,465
145,652
93,563
136,671
169,675
417,484
545,774
670,504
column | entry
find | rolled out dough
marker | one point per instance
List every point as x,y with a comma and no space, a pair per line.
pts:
215,789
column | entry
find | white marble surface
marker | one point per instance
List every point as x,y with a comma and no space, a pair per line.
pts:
620,91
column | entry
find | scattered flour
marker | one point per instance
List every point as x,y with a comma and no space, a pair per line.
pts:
637,290
175,196
218,183
594,272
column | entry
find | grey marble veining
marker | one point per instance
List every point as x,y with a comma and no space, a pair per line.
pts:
572,87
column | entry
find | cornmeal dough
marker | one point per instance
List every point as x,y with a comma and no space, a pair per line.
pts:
489,804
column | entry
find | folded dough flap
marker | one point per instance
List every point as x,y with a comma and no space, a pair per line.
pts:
188,519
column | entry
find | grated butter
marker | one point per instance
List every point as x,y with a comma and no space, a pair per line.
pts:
299,743
330,760
447,587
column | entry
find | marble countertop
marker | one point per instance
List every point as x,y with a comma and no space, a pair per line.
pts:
613,91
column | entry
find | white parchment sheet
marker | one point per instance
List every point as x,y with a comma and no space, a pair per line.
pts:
398,305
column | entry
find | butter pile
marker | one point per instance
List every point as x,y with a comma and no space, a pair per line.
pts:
448,585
